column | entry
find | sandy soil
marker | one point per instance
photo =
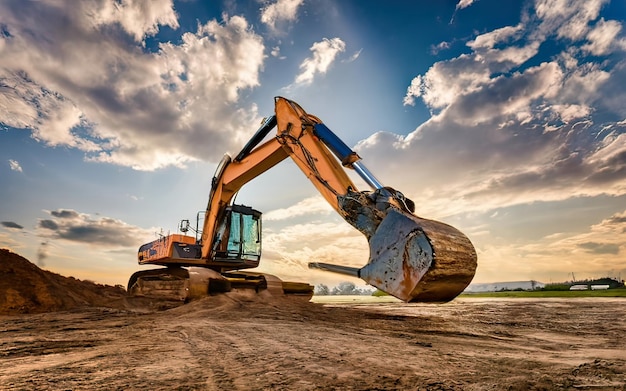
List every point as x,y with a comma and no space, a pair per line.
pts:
242,342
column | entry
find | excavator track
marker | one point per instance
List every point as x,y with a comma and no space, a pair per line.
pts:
186,284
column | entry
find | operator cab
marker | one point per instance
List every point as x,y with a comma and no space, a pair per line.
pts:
238,243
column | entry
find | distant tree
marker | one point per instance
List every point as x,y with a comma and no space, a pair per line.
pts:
322,290
379,293
346,288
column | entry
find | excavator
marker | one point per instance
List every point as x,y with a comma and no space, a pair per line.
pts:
411,258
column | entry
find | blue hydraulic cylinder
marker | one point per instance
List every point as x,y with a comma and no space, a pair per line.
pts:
347,156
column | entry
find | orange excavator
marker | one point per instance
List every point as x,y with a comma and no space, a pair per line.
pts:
411,258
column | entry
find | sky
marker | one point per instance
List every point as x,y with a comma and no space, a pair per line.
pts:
505,120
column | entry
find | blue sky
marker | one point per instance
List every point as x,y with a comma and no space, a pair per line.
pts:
505,120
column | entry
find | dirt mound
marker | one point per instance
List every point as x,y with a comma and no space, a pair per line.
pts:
25,288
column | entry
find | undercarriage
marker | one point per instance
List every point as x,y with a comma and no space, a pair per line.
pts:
186,284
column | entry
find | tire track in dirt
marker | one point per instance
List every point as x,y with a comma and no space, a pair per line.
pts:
207,358
290,348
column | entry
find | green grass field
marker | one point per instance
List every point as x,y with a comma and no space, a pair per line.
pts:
621,292
383,299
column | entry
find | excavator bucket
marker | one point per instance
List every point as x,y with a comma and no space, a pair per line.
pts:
411,258
422,260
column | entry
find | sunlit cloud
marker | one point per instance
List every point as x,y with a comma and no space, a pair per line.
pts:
324,54
354,57
498,36
139,19
594,253
464,4
460,5
435,49
9,242
15,165
275,52
289,250
565,19
280,11
604,38
92,85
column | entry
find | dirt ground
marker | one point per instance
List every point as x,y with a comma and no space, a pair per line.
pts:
242,342
60,333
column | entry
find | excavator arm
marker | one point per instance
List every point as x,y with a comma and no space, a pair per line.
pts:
411,258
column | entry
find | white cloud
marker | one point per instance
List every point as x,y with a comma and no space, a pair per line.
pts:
324,54
604,38
567,18
446,80
435,49
415,90
460,5
609,155
280,11
568,113
518,92
15,165
436,87
91,85
16,96
55,125
582,85
464,4
139,18
354,56
492,38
